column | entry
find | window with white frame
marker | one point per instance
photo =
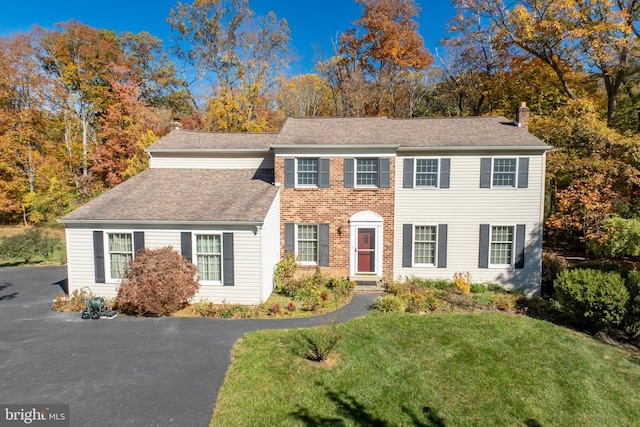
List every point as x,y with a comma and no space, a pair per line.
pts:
501,245
426,173
307,243
367,172
208,256
120,253
424,244
307,172
504,172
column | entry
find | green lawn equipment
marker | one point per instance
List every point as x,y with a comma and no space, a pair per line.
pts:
97,309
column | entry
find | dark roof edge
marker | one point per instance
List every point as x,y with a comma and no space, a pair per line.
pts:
156,222
480,148
208,150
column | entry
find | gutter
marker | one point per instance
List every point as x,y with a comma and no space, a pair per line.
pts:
157,222
479,148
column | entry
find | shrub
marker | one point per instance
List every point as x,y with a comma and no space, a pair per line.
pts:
552,265
73,303
632,316
157,283
283,275
594,298
389,304
323,342
28,245
463,282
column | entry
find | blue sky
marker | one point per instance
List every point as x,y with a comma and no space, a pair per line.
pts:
313,24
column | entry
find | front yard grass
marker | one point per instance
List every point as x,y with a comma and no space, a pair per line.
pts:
452,369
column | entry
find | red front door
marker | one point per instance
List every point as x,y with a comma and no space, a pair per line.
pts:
366,250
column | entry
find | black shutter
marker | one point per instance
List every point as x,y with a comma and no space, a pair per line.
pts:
289,237
442,245
483,260
520,239
523,172
289,173
349,174
323,232
138,241
384,173
445,172
408,173
98,256
407,245
324,166
485,172
185,245
227,259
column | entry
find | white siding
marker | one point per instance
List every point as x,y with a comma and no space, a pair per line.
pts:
270,247
464,206
248,288
247,266
209,161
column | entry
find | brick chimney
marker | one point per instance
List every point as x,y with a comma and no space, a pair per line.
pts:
522,116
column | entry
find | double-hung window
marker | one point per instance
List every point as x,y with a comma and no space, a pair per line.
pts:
504,172
367,172
426,173
424,245
501,245
120,246
307,243
208,256
307,172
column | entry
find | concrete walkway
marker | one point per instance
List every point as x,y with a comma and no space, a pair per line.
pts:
125,371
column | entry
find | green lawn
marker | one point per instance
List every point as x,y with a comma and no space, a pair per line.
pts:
434,370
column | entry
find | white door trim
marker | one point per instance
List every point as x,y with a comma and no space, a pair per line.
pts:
365,219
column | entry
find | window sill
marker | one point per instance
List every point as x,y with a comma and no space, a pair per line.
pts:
306,188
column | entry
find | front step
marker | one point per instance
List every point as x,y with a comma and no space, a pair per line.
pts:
368,284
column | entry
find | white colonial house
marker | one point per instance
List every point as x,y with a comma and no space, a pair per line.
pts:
369,199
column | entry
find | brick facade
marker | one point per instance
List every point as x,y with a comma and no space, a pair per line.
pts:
336,205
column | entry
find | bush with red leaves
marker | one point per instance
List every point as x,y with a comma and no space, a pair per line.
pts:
159,282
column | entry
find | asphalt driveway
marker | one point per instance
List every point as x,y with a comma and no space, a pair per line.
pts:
120,372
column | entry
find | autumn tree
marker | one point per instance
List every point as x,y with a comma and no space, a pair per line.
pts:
387,52
306,95
34,185
239,55
573,37
593,173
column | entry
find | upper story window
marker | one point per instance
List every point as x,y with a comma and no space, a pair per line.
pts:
427,173
307,172
120,246
367,172
504,172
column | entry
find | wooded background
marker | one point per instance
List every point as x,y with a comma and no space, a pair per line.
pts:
78,105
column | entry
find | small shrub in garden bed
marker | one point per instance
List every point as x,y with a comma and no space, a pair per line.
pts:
389,304
73,303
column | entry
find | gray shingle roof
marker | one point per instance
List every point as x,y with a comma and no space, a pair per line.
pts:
180,195
179,140
407,133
